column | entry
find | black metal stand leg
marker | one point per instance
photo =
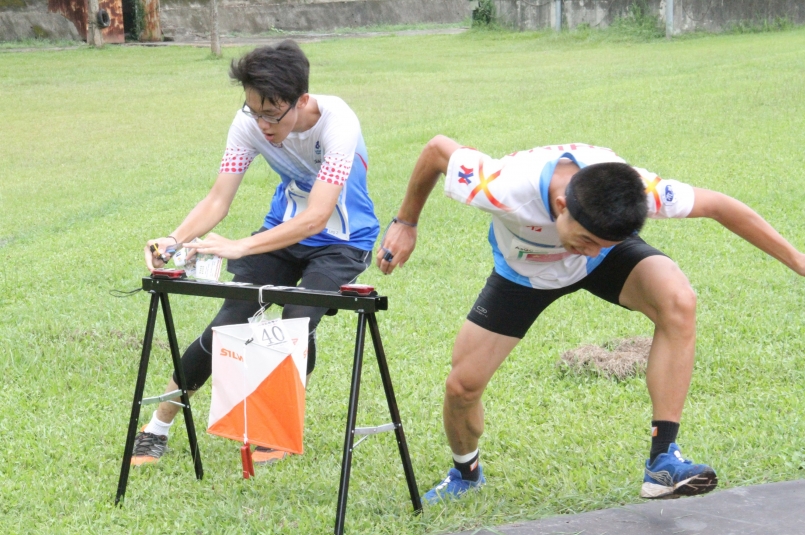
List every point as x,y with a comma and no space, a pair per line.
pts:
346,461
395,414
138,396
177,366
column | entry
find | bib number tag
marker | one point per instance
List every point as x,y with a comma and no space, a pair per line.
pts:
273,334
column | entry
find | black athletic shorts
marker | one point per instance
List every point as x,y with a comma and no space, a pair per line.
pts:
287,267
508,308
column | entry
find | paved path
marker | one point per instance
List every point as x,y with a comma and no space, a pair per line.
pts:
772,509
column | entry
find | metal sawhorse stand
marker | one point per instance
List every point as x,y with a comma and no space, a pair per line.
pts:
364,306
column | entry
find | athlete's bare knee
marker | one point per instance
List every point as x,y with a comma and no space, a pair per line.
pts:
461,390
677,308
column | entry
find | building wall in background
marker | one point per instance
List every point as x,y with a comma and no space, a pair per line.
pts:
76,12
189,19
689,15
26,19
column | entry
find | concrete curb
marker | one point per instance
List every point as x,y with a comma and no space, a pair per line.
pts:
771,509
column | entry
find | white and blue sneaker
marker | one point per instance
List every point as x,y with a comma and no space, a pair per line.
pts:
671,476
453,487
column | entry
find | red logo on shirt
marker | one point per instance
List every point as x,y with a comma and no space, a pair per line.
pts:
465,175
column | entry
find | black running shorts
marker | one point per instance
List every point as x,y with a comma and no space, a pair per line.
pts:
508,308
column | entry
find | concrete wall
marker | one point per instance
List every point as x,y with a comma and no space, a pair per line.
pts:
28,19
189,19
714,15
186,19
689,15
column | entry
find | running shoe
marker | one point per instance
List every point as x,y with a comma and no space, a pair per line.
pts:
262,455
148,448
452,487
671,476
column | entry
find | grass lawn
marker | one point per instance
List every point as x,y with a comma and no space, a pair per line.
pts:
102,149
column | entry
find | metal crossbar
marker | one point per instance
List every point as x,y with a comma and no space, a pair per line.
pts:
369,431
169,397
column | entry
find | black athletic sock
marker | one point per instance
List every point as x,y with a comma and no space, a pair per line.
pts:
470,471
662,434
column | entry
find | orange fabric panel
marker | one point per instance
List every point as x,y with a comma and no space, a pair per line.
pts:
276,412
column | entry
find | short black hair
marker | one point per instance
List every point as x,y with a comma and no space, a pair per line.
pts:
608,199
277,73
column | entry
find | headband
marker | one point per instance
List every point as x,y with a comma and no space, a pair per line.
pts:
578,213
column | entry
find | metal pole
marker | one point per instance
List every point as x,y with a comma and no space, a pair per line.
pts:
215,40
395,414
669,18
558,10
138,396
177,367
352,411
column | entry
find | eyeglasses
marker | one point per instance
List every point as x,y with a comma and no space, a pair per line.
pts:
273,120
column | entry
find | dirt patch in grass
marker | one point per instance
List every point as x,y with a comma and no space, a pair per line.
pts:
621,359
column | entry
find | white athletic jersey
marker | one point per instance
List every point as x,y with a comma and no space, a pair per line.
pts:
514,189
332,150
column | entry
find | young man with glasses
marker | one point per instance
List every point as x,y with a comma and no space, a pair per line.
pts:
320,227
565,218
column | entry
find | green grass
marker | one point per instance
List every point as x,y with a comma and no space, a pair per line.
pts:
103,149
41,43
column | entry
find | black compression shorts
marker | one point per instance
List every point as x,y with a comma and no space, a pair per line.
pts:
508,308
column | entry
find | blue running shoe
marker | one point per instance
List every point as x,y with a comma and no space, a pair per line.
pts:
452,487
671,476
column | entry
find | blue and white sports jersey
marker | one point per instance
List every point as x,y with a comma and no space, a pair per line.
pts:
514,189
333,151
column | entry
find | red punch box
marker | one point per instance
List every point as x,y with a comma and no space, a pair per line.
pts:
169,274
359,290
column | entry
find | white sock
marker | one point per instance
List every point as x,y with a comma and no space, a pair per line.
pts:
157,426
465,458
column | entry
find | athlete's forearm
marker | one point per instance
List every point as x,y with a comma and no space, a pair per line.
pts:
309,222
201,219
211,210
291,232
432,163
740,219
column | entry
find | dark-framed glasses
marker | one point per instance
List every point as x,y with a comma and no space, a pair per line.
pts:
267,118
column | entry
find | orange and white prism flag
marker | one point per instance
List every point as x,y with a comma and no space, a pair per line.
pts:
258,383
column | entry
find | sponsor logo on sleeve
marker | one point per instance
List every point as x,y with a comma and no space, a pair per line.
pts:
465,176
669,194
